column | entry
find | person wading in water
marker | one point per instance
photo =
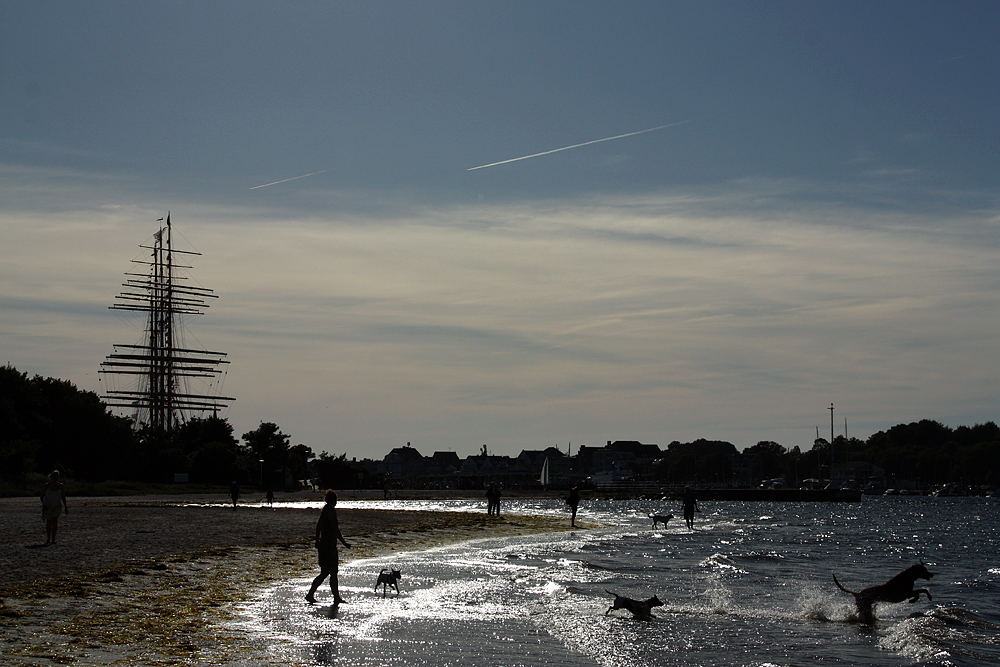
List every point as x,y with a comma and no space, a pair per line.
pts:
690,506
573,500
327,534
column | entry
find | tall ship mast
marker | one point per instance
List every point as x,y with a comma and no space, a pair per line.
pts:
156,375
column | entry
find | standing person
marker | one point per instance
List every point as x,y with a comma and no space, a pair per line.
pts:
270,496
234,493
327,534
690,506
53,503
493,499
573,500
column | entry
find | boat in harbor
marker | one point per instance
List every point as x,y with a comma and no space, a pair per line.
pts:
875,486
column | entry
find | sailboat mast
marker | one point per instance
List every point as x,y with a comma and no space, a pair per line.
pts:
831,441
161,379
155,369
162,400
169,381
847,445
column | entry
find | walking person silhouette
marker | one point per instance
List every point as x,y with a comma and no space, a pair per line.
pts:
327,535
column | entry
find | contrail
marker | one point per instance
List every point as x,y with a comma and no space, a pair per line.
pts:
586,143
289,179
968,55
964,55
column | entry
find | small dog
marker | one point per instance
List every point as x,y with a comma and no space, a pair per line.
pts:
639,608
660,518
388,578
896,589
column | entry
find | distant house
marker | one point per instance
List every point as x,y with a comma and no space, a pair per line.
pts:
644,454
487,465
479,470
585,460
443,463
530,461
403,462
617,457
610,459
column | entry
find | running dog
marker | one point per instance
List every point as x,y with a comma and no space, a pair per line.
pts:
639,608
388,578
660,518
897,589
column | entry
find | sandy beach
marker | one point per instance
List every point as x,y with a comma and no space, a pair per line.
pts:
148,579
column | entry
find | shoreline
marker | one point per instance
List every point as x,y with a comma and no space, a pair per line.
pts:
100,532
144,579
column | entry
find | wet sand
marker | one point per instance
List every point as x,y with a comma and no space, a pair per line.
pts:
142,579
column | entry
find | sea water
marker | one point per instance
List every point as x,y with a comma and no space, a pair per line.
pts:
750,585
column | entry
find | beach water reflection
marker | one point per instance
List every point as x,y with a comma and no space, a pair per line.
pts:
750,586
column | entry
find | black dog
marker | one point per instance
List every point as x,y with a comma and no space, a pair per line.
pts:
639,608
897,589
660,518
388,578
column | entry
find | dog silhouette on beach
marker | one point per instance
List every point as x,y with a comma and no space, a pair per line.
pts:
388,578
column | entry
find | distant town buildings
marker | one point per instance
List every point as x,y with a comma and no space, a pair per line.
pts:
617,462
620,464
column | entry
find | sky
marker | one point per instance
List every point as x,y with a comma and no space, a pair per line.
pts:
814,220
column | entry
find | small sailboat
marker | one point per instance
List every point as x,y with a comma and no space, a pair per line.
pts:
544,477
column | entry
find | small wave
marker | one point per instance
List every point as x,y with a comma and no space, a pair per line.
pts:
943,634
960,619
953,615
760,555
722,564
716,560
915,638
548,588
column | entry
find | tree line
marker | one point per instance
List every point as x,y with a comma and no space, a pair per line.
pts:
48,424
926,452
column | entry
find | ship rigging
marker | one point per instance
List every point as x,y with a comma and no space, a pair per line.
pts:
158,372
